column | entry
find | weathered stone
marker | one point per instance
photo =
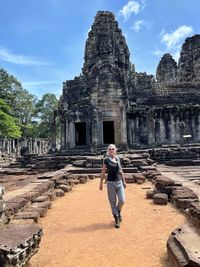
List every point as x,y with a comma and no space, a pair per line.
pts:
185,203
27,215
183,247
189,62
51,194
164,181
40,210
41,199
45,204
129,178
150,194
59,192
183,193
167,69
139,178
160,198
82,179
194,211
65,188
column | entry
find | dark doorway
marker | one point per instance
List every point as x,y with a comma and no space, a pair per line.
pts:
80,133
108,132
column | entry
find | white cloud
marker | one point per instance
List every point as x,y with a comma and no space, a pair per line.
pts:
158,53
8,56
174,38
129,8
173,41
137,25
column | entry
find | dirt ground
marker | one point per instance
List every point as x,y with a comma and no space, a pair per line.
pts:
79,232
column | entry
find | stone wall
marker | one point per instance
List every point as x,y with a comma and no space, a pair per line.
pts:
13,148
154,126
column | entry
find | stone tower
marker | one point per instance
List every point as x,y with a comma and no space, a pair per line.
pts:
94,104
189,62
167,70
109,102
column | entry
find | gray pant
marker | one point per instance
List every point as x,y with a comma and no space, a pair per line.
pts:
116,190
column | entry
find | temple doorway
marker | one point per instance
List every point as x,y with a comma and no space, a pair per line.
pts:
80,133
108,132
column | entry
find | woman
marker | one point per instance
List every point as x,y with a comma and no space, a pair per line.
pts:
115,182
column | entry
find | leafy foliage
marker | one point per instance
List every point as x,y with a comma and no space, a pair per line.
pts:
44,109
21,112
8,124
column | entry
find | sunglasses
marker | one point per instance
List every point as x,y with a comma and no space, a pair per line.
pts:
111,149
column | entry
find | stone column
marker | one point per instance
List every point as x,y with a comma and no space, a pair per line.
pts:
151,127
157,132
63,136
94,125
71,134
124,144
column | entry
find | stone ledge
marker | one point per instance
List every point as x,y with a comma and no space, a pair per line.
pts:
183,247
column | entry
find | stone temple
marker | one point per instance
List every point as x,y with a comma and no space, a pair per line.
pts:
111,103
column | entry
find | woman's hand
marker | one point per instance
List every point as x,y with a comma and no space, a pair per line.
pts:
124,185
101,185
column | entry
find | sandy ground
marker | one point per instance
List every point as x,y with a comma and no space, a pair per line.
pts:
79,232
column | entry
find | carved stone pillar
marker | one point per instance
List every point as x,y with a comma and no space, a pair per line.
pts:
94,126
151,127
124,144
63,135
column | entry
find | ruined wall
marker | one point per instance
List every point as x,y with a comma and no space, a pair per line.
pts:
13,148
154,126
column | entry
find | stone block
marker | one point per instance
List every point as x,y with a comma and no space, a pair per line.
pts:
150,194
65,188
183,193
185,203
164,181
139,178
91,176
194,211
45,204
59,192
40,210
183,247
41,199
51,194
129,178
27,215
161,199
83,179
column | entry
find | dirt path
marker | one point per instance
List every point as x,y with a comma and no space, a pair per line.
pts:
79,232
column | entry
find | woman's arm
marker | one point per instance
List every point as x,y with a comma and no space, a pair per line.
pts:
103,172
123,179
122,174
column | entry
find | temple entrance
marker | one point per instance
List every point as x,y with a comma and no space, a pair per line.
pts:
80,133
108,132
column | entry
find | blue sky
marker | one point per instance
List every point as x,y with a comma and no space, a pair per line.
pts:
42,41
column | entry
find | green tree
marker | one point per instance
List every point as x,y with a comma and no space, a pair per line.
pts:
44,111
9,85
8,124
21,102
